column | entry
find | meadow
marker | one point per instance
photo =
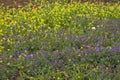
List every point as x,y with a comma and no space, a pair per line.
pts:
60,41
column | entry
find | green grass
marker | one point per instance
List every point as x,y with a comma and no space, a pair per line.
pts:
60,41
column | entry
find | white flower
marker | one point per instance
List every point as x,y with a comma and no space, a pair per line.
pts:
93,28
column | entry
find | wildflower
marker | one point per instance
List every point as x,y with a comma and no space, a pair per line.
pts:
113,49
1,32
8,63
97,67
25,51
58,78
1,61
19,56
109,47
66,75
11,56
79,54
97,49
31,78
106,68
1,47
118,47
0,50
69,60
98,39
8,49
81,47
93,28
78,76
22,67
79,14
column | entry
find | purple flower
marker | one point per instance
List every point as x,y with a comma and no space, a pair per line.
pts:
72,38
97,49
30,55
113,48
98,44
98,39
119,47
26,48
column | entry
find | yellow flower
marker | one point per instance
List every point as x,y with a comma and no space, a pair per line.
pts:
8,49
1,47
78,76
19,56
97,67
79,54
8,63
25,51
0,51
22,67
81,47
1,32
1,61
58,78
31,78
10,56
106,68
69,60
8,40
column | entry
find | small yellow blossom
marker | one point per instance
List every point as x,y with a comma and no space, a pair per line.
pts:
25,51
78,76
31,78
79,54
8,63
20,56
107,68
8,49
81,47
10,56
58,78
69,60
22,67
1,61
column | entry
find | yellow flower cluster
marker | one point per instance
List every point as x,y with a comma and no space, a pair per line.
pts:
26,20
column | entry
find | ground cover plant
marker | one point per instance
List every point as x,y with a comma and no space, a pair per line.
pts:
60,41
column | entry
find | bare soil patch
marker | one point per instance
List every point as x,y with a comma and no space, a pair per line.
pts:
13,3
